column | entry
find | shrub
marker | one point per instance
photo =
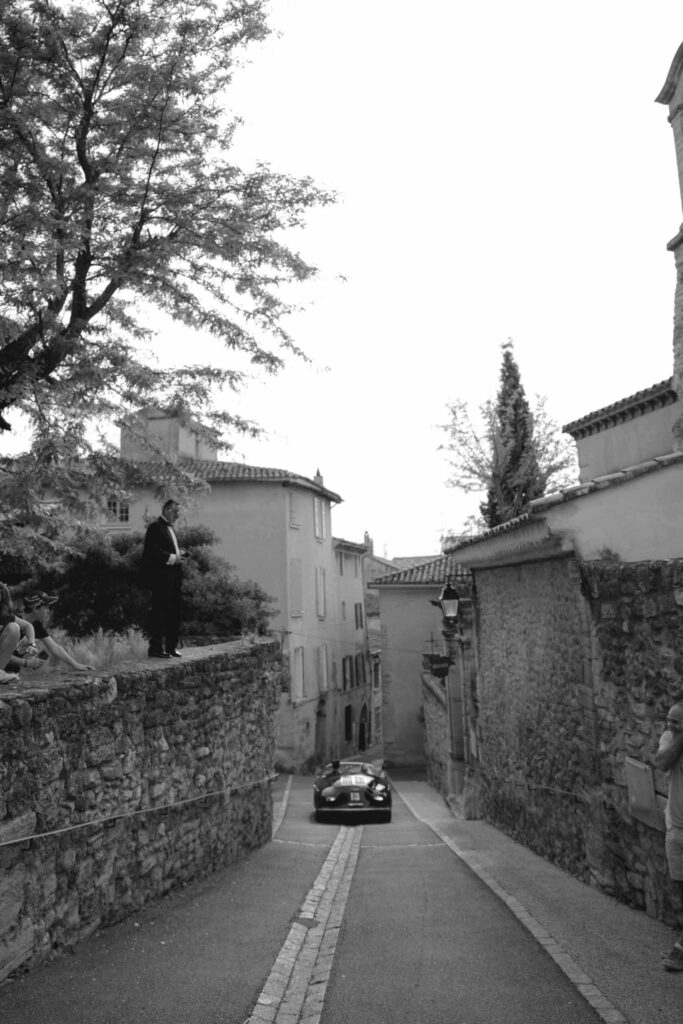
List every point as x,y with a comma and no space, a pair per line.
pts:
100,588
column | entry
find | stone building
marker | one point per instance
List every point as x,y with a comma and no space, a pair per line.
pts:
411,630
275,527
579,637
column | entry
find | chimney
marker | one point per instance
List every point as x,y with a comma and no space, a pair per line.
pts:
367,540
672,94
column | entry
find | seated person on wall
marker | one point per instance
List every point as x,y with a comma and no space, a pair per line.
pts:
37,612
11,629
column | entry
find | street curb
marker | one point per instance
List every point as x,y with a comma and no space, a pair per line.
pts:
280,807
584,985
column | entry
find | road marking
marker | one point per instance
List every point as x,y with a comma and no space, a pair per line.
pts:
606,1010
401,846
296,987
300,842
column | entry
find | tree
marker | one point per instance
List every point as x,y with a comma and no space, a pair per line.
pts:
514,454
116,189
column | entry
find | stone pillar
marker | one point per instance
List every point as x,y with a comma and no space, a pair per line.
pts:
677,246
672,95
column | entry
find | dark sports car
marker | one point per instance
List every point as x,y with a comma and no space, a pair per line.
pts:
348,787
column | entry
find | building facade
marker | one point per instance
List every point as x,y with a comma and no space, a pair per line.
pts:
275,528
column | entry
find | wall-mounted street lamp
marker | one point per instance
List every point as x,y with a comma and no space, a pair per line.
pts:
448,601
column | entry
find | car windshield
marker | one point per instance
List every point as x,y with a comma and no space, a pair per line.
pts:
351,768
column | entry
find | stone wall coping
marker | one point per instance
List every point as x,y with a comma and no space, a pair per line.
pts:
37,687
433,688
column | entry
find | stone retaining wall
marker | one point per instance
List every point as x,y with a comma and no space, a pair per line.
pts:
113,791
578,664
437,745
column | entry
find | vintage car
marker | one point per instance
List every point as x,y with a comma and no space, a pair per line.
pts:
348,787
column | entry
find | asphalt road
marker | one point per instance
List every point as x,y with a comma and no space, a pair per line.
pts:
379,923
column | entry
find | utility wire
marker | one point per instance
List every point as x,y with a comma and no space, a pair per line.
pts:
141,810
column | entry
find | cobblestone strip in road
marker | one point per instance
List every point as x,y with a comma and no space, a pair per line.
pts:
591,993
295,990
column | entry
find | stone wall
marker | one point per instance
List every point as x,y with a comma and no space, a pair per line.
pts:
437,744
577,665
637,618
113,791
536,719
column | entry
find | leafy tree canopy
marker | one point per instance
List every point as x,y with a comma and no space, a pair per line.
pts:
513,454
116,189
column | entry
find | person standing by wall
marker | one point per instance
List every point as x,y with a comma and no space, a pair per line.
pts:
161,559
669,758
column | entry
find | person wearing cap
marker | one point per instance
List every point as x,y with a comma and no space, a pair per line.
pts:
12,627
161,559
37,611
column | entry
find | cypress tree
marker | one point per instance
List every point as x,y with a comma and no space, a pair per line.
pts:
516,478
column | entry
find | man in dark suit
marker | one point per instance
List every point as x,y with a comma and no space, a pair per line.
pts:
161,558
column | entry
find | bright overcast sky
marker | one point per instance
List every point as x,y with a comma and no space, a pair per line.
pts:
503,171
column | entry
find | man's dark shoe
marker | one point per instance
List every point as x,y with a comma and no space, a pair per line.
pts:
154,653
674,961
174,654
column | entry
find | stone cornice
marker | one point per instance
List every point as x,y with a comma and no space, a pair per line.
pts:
655,397
669,87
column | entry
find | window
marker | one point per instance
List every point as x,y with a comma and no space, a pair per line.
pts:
360,669
348,723
343,610
356,566
294,509
296,587
297,685
347,671
320,596
340,563
319,518
117,511
358,612
322,667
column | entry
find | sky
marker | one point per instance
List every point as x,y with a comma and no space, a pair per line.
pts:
502,171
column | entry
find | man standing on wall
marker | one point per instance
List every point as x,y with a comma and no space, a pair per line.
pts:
669,758
161,558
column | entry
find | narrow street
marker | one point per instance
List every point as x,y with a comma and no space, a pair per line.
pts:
375,922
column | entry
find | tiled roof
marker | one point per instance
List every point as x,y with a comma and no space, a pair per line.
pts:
456,544
351,545
436,573
408,561
625,409
216,471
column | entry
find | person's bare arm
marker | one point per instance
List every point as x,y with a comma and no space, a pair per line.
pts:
667,757
52,647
